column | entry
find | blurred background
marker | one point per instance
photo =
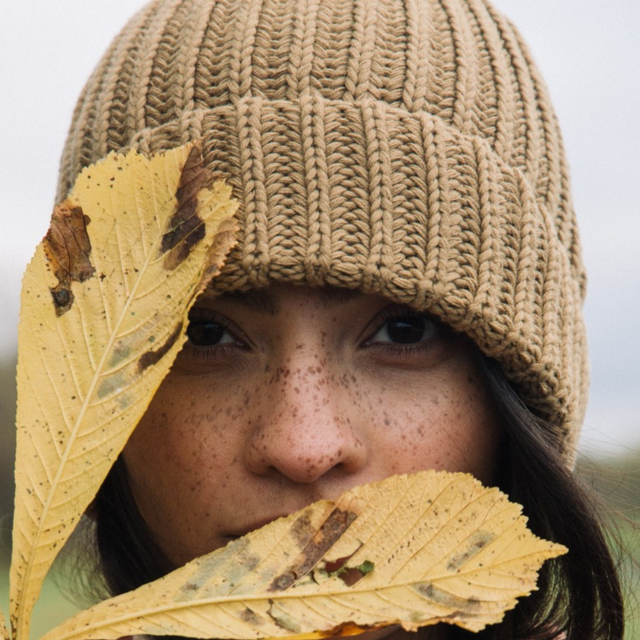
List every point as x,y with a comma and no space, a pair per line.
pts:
589,54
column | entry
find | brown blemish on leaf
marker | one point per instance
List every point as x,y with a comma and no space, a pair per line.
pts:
151,357
185,227
302,530
335,565
251,618
68,249
332,528
353,575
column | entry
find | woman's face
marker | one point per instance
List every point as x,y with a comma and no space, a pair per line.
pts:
285,396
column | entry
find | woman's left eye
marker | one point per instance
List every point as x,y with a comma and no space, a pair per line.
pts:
406,329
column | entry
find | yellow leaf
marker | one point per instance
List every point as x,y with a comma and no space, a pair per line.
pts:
103,311
410,550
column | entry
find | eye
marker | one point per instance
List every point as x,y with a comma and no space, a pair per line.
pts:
205,332
400,327
405,329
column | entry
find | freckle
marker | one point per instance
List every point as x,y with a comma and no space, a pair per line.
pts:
267,368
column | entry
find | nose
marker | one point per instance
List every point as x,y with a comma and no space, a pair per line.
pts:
306,424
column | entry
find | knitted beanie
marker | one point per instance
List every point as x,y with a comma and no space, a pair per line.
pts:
403,148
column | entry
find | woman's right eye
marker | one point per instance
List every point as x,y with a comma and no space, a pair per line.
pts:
208,333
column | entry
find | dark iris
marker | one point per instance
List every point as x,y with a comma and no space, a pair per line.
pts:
406,330
205,333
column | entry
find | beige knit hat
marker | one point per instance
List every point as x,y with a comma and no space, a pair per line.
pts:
407,148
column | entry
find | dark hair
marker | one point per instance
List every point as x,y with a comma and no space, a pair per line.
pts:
579,594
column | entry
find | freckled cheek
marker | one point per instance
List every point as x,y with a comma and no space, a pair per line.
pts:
186,447
451,427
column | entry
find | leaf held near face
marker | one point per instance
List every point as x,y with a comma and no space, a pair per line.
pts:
410,550
103,309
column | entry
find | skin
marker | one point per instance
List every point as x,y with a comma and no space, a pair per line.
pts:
302,394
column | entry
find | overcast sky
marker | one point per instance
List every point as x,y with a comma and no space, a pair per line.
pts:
589,53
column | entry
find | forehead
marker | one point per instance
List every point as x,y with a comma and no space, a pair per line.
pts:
268,301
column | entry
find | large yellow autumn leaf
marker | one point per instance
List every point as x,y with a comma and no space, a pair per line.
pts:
103,310
410,550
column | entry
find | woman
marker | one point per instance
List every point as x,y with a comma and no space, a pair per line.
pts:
405,293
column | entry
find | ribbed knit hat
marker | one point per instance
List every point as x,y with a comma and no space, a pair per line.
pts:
405,148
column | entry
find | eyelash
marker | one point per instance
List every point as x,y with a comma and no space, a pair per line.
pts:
198,318
395,313
433,329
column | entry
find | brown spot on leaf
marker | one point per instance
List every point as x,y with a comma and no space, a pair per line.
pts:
352,575
332,528
301,529
68,250
336,565
151,357
250,616
185,227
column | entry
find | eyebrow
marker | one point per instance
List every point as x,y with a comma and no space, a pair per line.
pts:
267,303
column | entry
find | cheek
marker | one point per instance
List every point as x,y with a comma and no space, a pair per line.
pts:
449,424
180,461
